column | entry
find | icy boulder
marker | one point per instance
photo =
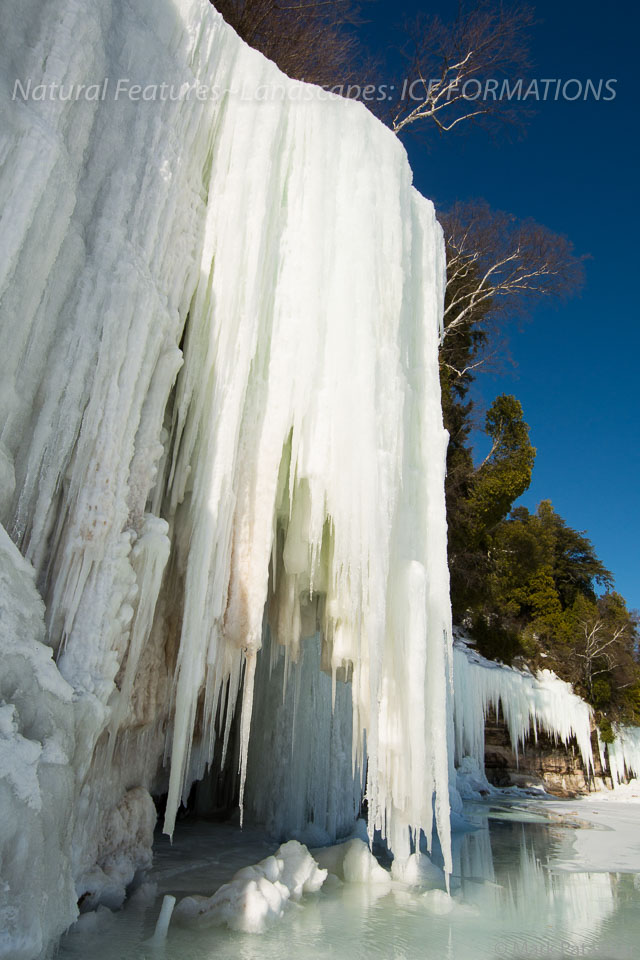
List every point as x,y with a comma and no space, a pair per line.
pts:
353,862
257,895
417,871
36,775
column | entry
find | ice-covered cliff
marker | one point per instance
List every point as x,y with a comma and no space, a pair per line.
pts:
622,755
527,703
220,303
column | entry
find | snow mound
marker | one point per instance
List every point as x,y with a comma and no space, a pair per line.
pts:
419,870
257,895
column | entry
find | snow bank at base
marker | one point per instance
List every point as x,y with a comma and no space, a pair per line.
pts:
628,792
39,739
526,703
471,780
220,397
257,895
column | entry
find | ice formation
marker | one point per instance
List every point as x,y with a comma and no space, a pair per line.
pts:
302,733
220,407
36,775
353,862
257,895
163,921
622,755
527,703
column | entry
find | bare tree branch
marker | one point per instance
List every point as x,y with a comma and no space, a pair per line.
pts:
601,645
496,262
310,40
486,41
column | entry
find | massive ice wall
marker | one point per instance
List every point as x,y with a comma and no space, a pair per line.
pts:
302,734
220,301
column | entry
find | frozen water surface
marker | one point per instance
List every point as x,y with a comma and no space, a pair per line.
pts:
520,888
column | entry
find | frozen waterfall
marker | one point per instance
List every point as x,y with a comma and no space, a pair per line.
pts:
622,755
527,703
220,416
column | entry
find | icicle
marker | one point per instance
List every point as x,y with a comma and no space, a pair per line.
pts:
623,754
164,918
245,721
543,702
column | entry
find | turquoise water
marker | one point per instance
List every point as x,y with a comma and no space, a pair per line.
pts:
509,900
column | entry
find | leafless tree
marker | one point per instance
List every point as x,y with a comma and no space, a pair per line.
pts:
309,40
450,64
497,263
601,645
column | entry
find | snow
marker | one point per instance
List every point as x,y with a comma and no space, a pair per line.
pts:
527,703
220,408
418,870
622,793
609,837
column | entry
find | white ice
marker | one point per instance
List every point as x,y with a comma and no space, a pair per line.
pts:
220,403
622,755
257,895
526,702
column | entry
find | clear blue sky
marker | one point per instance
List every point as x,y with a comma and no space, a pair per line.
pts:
576,171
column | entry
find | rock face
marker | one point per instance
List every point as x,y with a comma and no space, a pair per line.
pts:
543,762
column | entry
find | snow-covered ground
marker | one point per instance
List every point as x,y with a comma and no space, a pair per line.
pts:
610,838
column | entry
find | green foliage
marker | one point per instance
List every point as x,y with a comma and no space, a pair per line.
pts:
606,730
631,698
601,693
494,640
525,584
506,473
